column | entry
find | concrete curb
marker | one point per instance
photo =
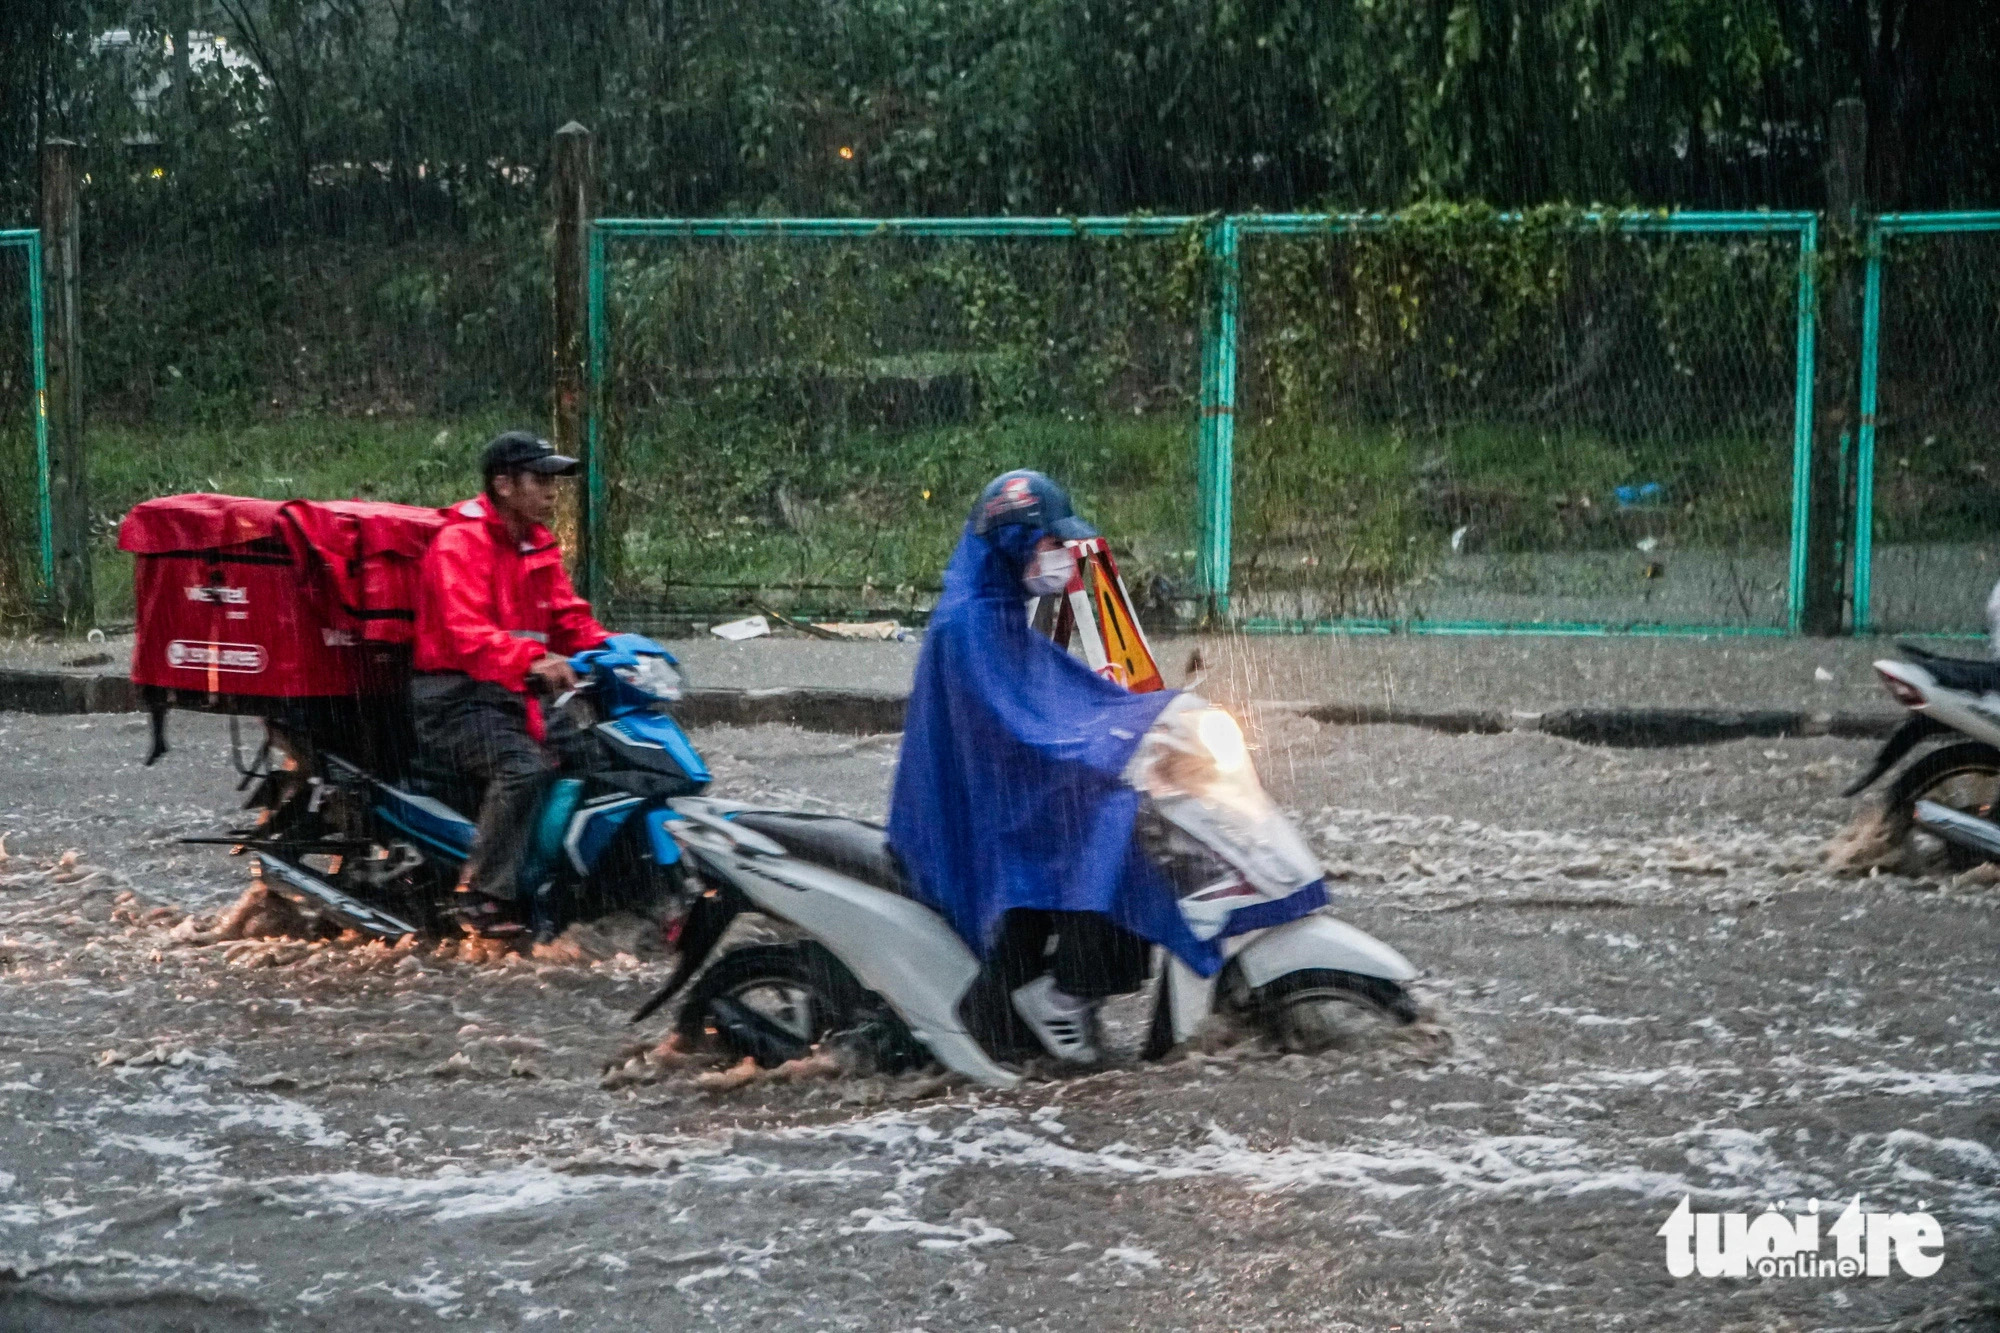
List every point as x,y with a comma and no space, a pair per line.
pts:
1620,728
875,712
848,712
66,692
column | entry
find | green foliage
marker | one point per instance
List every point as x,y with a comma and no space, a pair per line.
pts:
427,118
210,333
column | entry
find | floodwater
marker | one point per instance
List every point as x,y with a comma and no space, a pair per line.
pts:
1641,984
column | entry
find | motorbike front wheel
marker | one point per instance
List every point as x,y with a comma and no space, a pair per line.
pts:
1963,777
1318,1009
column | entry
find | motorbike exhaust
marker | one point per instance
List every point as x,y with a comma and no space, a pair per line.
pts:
1955,826
311,892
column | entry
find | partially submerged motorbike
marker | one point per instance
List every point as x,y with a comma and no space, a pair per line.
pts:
1944,802
382,853
872,964
300,614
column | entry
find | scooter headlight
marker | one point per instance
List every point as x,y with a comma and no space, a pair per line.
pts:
655,676
1223,740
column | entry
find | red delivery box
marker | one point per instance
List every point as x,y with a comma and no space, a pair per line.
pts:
271,599
368,554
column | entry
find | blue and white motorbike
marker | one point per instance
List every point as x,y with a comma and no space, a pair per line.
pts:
381,852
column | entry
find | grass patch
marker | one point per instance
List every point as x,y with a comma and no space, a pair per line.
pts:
714,512
716,516
1361,515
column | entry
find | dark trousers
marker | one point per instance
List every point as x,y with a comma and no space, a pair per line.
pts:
1089,955
477,731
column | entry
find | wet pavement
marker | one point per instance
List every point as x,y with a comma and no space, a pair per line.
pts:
1641,984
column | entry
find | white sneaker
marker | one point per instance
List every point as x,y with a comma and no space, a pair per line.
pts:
1066,1025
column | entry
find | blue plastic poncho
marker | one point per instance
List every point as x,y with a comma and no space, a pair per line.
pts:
1009,791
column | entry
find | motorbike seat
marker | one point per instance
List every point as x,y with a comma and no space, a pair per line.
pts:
846,846
1973,674
443,784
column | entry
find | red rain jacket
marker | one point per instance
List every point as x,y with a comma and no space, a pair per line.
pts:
490,608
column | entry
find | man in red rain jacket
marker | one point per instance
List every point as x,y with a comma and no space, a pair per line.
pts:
495,609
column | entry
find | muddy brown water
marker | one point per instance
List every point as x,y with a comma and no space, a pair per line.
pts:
1641,985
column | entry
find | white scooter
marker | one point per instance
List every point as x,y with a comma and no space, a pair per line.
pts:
1946,800
871,960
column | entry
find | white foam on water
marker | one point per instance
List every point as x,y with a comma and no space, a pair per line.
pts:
179,1096
1133,1256
444,1197
966,1233
429,1288
1917,1161
1910,1082
185,1150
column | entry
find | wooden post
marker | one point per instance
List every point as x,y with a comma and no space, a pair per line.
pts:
1835,418
573,200
72,599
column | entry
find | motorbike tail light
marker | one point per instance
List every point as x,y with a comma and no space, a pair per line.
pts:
1904,693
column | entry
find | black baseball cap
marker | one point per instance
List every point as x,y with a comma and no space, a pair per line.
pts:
522,451
1032,500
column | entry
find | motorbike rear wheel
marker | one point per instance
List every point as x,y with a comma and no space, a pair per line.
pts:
1963,777
1319,1009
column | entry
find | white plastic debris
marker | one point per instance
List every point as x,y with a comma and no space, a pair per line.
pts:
1649,544
885,630
1822,675
747,628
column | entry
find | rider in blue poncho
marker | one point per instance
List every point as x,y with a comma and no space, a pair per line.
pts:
1010,812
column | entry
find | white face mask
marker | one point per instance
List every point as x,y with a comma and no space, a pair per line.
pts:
1049,572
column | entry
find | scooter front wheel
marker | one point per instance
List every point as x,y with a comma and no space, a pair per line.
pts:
1318,1009
1965,777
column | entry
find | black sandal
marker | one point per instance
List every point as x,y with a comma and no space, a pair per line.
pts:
484,917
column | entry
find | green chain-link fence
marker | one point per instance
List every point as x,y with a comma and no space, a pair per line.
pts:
796,415
1446,420
1927,508
1455,421
25,552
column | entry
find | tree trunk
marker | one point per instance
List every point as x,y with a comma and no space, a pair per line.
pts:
1837,374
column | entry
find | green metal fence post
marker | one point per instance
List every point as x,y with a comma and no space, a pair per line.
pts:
596,492
45,521
1215,433
1802,425
1864,454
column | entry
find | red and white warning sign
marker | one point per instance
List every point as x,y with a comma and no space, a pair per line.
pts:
1098,610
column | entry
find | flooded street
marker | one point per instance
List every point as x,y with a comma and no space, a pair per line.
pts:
1640,984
